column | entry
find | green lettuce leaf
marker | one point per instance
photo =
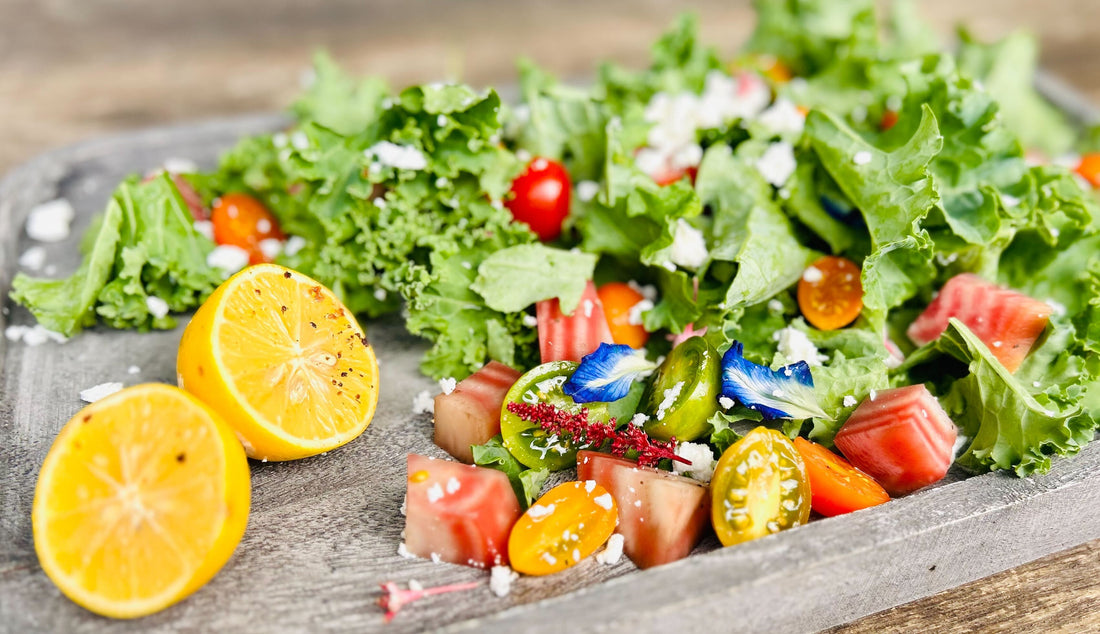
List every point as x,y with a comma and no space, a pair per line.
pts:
512,279
339,102
527,483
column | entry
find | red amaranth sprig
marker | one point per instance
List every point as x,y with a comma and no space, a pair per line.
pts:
394,598
554,420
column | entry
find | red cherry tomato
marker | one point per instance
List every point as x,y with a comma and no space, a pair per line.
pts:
540,198
889,120
242,221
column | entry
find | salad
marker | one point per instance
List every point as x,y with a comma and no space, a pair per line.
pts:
699,284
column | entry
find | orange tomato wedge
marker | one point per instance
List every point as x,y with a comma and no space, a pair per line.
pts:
830,293
142,498
837,487
618,299
283,361
563,527
1089,168
242,221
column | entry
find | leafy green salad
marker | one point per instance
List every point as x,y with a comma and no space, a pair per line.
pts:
742,201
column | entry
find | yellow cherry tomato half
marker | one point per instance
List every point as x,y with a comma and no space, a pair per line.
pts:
563,527
618,299
759,487
830,293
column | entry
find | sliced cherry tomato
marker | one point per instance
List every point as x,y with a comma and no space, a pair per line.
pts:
563,527
775,70
618,299
837,487
759,487
1089,168
683,392
830,293
527,441
540,198
672,175
889,120
242,221
570,337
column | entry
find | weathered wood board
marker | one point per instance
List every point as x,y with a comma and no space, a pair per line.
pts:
324,532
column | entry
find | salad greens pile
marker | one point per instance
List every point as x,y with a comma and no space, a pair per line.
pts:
950,188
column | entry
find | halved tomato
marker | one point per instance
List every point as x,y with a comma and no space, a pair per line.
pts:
662,515
837,487
563,527
570,337
470,414
458,513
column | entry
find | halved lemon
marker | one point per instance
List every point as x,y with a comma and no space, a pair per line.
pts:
283,361
142,498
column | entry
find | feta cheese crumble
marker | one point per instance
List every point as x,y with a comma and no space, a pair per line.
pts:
177,165
539,511
726,402
96,392
398,156
435,493
33,258
862,157
204,228
795,346
423,403
700,457
775,305
35,335
157,307
783,117
613,552
634,315
500,580
777,164
849,400
639,419
133,370
587,190
689,248
447,384
670,396
49,221
812,275
271,248
228,258
530,321
604,501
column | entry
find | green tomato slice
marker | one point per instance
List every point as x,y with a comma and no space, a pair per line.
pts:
683,392
759,487
532,445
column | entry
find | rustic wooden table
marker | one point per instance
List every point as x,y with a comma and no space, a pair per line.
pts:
74,69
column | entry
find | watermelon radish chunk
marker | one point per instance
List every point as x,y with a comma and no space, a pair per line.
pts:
571,337
458,513
470,414
900,437
1006,321
662,516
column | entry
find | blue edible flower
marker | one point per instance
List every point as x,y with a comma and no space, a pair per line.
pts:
606,374
784,393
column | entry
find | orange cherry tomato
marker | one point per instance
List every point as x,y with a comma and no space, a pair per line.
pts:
563,527
837,487
774,69
618,299
242,221
1089,168
830,293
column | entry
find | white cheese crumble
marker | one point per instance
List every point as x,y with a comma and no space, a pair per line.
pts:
647,291
795,346
588,306
539,511
33,258
700,457
670,396
423,403
299,140
777,164
613,552
228,258
177,165
872,395
447,384
1058,307
35,335
96,392
453,485
415,585
530,321
403,550
157,307
775,305
783,117
639,419
133,370
500,580
398,156
726,402
49,221
812,275
689,248
587,190
380,294
205,228
589,486
849,400
435,493
862,157
634,315
603,501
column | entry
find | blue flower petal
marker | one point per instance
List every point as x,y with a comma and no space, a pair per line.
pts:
784,393
606,374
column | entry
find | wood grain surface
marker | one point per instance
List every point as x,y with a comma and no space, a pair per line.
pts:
74,69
